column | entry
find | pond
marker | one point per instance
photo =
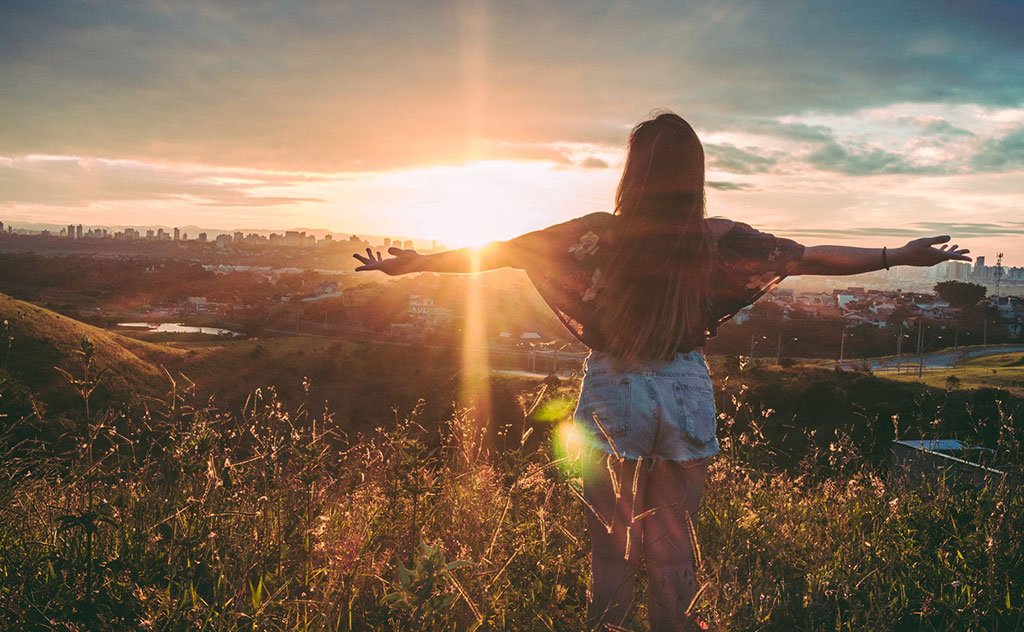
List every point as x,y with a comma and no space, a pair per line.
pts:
177,328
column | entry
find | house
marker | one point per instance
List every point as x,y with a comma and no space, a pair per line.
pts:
426,315
327,287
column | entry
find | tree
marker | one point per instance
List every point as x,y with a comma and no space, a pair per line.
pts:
899,315
960,294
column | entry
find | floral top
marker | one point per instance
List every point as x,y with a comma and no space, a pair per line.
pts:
564,263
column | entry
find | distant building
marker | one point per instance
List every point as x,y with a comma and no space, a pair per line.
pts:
358,298
426,314
78,231
196,304
327,287
407,244
177,234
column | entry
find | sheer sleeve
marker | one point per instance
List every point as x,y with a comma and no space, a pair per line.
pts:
562,262
748,263
762,258
545,248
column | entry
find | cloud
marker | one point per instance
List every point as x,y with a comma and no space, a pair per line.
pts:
832,156
72,181
732,159
1001,154
367,86
944,129
958,230
972,229
593,162
728,186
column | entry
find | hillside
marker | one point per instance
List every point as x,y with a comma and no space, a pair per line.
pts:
40,339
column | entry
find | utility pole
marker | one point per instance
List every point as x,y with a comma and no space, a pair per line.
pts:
778,352
842,345
984,331
899,347
920,348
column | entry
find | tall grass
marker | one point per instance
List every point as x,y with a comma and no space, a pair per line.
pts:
180,515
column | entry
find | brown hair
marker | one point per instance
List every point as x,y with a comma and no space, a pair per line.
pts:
655,286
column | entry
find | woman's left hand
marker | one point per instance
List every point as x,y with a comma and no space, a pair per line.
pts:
922,252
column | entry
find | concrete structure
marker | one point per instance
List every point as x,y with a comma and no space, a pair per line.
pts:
949,459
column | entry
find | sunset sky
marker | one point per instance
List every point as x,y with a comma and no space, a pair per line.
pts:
849,122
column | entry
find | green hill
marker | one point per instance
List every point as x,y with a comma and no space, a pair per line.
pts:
40,339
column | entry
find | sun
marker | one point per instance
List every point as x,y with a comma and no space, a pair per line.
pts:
474,203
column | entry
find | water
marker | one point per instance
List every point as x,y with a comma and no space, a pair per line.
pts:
177,328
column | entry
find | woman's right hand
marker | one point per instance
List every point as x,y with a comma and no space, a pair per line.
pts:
402,261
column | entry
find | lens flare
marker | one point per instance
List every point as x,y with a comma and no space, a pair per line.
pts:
475,386
567,442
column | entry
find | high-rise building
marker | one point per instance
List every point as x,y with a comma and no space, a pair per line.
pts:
177,234
71,231
78,231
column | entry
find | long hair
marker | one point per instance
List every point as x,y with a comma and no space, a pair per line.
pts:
654,295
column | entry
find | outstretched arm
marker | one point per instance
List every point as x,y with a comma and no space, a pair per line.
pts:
489,257
841,260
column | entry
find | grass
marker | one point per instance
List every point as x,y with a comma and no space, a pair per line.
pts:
42,339
185,516
1003,371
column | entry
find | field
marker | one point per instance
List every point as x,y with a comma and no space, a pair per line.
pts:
1005,371
276,513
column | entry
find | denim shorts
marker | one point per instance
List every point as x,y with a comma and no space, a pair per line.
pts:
663,408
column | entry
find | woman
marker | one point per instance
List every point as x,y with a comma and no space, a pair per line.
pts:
644,288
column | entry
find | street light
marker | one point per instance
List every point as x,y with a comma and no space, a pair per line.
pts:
754,341
778,352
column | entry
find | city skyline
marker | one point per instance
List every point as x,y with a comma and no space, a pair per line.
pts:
192,232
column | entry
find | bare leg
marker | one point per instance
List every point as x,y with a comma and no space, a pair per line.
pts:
673,493
613,489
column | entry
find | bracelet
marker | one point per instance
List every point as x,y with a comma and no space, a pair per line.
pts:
885,263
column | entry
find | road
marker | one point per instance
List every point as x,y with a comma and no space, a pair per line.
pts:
934,360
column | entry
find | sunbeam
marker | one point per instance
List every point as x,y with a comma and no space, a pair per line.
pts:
474,388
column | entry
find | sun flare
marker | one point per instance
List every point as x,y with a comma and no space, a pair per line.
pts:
478,202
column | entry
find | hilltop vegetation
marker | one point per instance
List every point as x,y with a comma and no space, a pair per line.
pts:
272,512
186,516
362,383
35,340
